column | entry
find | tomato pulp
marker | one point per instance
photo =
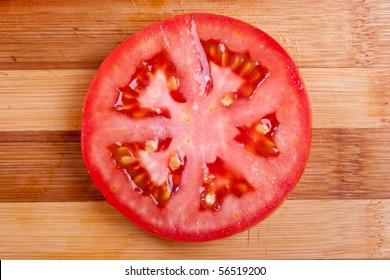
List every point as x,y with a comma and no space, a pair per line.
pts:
196,127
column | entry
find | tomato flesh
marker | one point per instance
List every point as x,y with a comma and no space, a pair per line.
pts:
197,127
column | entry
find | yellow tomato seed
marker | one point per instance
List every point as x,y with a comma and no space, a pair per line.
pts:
210,199
241,187
227,100
172,83
151,145
123,150
175,163
261,128
127,160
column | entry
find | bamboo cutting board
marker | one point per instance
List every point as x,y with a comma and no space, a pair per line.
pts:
49,208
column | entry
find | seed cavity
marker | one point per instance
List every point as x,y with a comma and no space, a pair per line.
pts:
128,95
240,63
219,181
127,157
258,137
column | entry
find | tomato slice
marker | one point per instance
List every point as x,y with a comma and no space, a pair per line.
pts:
197,127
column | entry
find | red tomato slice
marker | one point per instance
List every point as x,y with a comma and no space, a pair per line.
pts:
196,127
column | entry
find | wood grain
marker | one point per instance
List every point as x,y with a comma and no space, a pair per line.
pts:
310,229
53,99
48,166
49,207
70,34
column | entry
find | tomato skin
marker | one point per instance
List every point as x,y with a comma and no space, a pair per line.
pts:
117,68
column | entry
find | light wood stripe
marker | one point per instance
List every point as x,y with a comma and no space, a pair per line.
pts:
308,229
53,99
42,99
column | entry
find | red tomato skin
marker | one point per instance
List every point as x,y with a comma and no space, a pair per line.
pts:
108,66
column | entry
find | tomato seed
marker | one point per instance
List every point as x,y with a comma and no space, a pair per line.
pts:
172,84
166,195
224,59
236,61
127,160
247,68
139,179
261,128
149,75
123,150
241,187
210,199
228,99
129,96
175,163
151,145
213,50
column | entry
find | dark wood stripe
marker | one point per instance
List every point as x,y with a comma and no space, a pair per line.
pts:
347,163
43,166
75,36
39,136
48,166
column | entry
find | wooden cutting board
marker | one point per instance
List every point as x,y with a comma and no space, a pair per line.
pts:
49,208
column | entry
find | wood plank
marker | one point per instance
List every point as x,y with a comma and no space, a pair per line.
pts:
349,98
48,166
347,163
310,229
43,100
67,35
53,99
44,166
